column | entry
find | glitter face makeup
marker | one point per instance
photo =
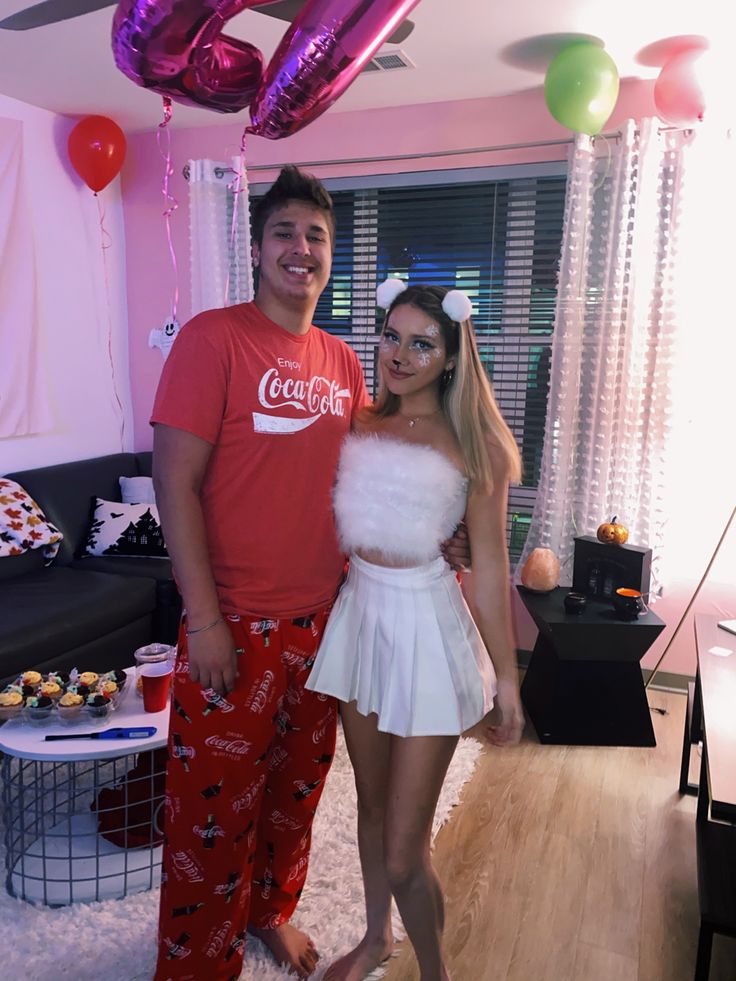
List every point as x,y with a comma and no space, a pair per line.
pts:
411,352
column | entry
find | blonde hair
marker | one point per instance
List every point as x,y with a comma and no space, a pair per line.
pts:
466,394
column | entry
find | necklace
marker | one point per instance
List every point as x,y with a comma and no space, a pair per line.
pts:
413,420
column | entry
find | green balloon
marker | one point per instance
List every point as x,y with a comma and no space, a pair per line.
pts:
581,87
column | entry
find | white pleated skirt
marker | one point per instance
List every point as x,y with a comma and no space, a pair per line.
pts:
402,643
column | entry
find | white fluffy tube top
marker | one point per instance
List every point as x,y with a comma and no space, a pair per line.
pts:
397,498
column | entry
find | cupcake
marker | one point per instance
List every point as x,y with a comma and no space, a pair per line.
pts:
38,709
98,706
118,676
11,702
51,688
79,689
105,686
89,678
32,678
70,706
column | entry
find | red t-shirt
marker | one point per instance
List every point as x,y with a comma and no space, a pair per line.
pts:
275,407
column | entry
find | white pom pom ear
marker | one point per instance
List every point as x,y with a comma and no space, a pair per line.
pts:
457,306
388,291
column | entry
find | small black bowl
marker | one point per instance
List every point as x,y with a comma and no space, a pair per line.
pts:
628,604
575,602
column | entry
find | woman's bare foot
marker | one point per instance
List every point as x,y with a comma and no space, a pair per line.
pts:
290,948
360,961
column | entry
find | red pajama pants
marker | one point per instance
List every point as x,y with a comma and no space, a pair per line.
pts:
244,777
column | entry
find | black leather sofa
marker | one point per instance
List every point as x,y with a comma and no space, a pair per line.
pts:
91,612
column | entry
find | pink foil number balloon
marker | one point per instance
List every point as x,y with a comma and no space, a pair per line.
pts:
176,47
323,51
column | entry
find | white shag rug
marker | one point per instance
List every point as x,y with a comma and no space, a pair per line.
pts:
116,940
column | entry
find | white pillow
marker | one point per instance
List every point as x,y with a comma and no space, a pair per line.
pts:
137,490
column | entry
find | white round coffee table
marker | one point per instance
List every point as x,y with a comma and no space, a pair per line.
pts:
54,852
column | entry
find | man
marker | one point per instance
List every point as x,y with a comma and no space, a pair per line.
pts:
252,407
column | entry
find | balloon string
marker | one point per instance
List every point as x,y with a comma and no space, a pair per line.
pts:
237,187
105,237
171,204
105,243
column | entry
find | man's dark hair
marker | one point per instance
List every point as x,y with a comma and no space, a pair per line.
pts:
292,184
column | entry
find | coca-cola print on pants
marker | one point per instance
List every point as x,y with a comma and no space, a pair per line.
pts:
243,781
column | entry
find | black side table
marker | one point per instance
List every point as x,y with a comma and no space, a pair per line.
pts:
584,685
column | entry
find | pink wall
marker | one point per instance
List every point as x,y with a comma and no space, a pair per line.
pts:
420,130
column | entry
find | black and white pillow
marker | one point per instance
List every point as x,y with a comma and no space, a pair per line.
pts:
125,529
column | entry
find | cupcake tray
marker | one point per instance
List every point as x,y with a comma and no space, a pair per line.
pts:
54,714
87,715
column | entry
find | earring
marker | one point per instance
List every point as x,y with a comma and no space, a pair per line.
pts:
447,375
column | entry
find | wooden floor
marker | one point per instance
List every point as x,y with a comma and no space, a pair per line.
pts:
568,863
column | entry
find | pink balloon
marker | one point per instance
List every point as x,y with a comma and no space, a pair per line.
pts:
325,48
679,92
176,47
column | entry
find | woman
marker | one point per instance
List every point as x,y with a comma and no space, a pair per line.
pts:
401,650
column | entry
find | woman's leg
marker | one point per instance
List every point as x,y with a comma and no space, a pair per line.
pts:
418,765
369,753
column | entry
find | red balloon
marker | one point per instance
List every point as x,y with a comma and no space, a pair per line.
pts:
97,150
323,51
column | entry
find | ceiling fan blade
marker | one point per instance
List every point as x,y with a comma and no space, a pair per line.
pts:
288,9
401,33
51,12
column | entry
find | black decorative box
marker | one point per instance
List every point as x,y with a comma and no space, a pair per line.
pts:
599,569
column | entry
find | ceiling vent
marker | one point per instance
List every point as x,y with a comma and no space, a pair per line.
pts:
389,61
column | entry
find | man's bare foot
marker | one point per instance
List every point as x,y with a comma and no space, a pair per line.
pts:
360,961
290,948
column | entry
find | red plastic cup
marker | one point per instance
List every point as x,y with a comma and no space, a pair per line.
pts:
156,684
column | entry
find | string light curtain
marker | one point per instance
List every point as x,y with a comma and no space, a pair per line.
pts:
221,270
622,330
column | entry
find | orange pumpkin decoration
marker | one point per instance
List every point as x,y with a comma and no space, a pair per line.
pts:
612,533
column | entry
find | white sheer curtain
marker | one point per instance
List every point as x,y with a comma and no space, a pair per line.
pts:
221,269
630,306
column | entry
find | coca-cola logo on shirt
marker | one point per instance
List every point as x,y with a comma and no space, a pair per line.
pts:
238,747
315,397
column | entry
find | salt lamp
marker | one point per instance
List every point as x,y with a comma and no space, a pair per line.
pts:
541,571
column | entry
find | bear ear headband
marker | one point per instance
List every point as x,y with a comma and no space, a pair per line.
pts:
456,304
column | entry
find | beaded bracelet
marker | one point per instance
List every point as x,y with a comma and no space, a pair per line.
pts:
198,630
